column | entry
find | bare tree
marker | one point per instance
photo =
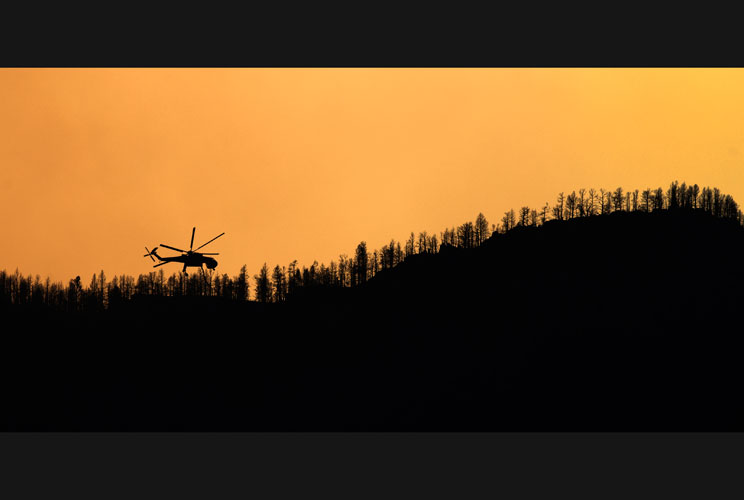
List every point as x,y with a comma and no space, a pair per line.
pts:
422,241
509,220
617,199
466,235
410,246
646,200
571,205
658,199
481,229
589,205
608,202
434,243
524,215
558,209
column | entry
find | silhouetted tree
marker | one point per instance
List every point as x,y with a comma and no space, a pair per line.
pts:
333,270
449,237
92,295
263,286
524,216
672,196
717,199
706,199
422,242
344,270
74,294
658,199
589,205
361,262
729,208
602,204
509,220
387,255
375,263
617,199
280,284
37,292
558,209
570,205
481,229
240,285
410,245
465,235
292,279
646,200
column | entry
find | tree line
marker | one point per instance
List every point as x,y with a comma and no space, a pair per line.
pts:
280,283
101,293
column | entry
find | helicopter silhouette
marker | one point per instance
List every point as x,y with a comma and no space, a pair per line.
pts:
190,258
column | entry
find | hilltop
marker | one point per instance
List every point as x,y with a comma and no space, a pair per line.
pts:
623,321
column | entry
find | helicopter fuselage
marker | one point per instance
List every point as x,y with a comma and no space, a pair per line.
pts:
193,259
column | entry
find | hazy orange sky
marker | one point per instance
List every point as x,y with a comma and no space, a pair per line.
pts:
96,164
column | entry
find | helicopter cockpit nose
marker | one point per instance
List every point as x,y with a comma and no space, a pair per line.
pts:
211,263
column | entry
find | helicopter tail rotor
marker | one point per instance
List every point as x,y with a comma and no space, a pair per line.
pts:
150,254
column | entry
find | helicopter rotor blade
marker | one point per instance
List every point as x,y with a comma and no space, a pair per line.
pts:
173,248
161,264
210,241
192,239
149,254
202,253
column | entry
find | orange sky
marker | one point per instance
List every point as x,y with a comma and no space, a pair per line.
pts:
305,163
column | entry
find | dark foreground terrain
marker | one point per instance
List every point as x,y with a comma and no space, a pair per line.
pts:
629,321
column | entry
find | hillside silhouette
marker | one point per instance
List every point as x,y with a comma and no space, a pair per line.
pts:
627,320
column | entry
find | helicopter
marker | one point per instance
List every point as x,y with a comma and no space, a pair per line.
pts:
190,258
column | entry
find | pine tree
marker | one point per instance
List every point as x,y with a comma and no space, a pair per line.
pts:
279,283
263,286
361,262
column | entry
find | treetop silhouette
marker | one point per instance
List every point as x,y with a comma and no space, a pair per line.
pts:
286,282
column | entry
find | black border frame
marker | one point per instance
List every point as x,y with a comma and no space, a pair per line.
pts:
373,465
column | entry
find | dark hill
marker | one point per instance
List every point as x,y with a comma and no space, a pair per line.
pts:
628,321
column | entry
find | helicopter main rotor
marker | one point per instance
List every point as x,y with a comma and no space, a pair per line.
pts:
191,246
